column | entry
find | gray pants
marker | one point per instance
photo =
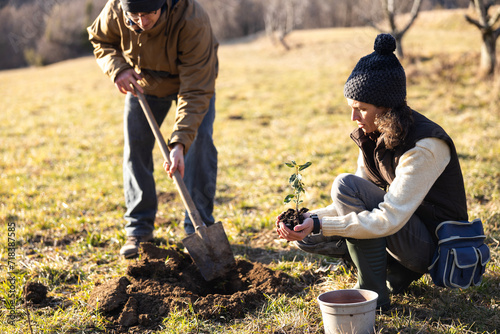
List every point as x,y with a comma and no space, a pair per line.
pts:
412,246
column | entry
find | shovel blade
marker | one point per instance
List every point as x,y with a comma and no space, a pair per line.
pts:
210,250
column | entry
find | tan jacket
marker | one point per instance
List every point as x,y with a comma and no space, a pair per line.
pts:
177,56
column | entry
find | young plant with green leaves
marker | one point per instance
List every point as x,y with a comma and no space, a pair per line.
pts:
296,183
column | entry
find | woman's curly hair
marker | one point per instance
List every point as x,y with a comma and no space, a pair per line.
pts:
394,125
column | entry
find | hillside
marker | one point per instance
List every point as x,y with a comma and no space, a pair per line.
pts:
61,183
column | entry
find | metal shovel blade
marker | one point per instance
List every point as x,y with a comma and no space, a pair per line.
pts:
210,250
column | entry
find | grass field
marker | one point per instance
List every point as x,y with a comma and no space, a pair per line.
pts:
61,186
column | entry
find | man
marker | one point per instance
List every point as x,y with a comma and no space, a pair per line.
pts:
166,50
408,181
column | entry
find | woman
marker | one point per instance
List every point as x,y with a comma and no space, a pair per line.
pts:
407,182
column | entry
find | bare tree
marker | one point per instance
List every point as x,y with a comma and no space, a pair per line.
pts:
281,17
348,14
447,4
390,14
485,23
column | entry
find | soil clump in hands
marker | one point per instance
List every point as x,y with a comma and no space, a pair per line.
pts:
292,218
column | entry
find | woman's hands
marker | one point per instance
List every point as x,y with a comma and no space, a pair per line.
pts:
299,231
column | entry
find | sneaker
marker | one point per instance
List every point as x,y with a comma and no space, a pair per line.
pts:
319,244
131,247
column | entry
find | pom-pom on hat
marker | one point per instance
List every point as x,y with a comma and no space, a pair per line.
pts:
378,78
141,6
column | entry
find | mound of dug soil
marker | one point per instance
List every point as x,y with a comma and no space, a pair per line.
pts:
35,293
164,280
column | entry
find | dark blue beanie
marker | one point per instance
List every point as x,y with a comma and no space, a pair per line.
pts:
141,6
378,78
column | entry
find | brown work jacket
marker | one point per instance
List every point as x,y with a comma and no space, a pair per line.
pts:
177,56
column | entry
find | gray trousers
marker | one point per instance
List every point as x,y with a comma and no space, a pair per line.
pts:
412,246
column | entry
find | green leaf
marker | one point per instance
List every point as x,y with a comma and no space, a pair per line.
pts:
289,165
304,166
288,198
292,179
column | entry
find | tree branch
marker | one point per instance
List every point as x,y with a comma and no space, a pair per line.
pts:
481,10
388,6
496,33
414,13
473,21
494,19
372,24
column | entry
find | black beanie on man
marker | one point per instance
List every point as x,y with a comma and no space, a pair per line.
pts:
378,78
141,6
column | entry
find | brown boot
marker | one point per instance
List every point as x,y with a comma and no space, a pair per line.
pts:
131,247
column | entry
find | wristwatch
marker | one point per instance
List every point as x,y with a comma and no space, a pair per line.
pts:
317,225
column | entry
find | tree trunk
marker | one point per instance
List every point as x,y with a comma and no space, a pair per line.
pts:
485,24
399,46
348,13
488,54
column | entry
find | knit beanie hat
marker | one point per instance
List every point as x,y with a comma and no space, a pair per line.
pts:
378,78
141,6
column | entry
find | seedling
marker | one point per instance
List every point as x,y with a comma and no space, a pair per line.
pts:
296,183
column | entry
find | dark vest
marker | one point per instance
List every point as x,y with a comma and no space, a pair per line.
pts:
446,199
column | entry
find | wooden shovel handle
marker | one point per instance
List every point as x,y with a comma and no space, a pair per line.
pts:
179,182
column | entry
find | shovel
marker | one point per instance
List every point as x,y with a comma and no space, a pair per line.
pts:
208,246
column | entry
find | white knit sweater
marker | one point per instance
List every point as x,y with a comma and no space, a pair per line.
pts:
416,172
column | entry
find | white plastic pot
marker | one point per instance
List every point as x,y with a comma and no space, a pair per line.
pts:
348,311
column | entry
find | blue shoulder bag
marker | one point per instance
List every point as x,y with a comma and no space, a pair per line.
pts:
461,256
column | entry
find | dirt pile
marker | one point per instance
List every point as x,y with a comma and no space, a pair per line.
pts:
35,293
164,280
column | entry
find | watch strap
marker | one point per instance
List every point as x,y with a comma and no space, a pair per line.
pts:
317,224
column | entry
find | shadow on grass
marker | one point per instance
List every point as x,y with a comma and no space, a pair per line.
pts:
472,310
